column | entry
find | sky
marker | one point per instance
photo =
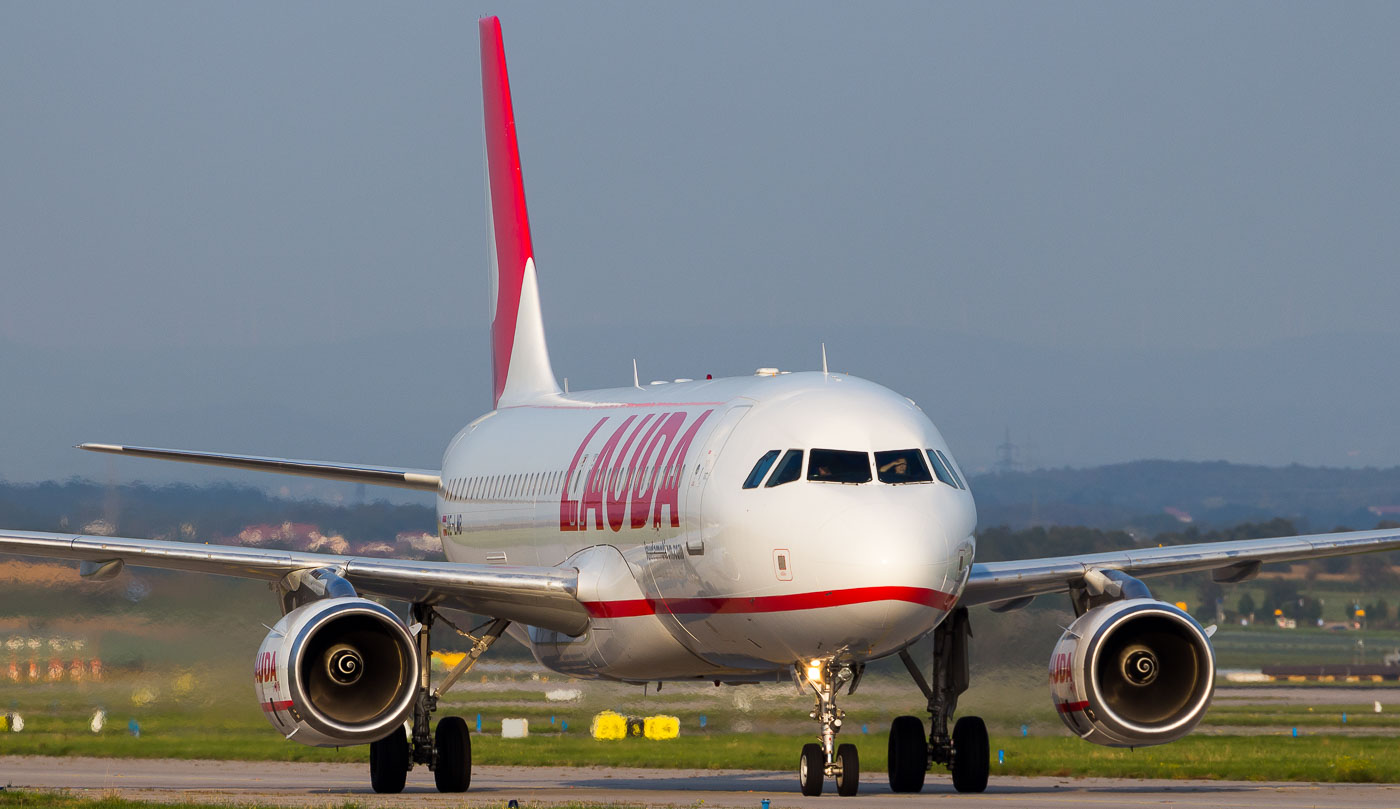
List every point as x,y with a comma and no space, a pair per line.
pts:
1111,231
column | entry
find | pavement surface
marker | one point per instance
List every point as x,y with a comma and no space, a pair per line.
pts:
322,785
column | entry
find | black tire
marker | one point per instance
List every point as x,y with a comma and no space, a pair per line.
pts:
811,770
908,758
454,755
972,755
388,762
848,764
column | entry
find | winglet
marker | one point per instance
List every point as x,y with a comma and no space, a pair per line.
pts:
519,358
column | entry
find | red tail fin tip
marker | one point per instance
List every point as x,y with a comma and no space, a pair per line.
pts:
519,357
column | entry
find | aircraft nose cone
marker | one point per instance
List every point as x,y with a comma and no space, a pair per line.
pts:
900,561
890,547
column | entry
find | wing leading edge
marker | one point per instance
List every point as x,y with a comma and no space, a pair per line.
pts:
424,479
1001,582
545,597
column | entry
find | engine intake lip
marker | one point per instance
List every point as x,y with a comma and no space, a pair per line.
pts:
362,725
1172,635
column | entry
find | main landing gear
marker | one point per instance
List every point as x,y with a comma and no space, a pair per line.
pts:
820,761
965,751
448,752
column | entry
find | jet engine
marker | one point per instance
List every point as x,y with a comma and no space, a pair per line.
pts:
337,671
1132,673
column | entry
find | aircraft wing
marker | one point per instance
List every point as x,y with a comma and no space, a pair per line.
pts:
427,479
537,596
1003,582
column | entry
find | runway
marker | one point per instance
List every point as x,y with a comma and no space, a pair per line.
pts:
301,784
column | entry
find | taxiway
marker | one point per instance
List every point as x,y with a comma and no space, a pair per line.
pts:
305,784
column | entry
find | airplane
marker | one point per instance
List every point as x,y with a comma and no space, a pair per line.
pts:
779,527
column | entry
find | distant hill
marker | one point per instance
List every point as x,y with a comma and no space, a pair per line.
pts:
1145,498
221,514
1156,496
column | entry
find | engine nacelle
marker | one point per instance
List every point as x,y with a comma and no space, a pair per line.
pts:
1132,673
337,671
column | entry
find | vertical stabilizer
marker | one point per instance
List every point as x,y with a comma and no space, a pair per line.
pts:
519,359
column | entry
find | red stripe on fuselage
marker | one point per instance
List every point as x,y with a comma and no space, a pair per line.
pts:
509,218
779,603
607,405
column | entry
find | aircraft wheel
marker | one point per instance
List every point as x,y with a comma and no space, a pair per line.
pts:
908,757
848,776
388,762
811,772
971,755
454,755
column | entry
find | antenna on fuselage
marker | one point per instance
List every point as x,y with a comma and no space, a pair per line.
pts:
566,384
636,381
824,371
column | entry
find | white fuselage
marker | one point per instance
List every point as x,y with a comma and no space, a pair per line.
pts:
688,574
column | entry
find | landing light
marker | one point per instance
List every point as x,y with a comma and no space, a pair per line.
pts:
814,671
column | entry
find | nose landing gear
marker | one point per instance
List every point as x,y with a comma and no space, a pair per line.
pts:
965,752
825,760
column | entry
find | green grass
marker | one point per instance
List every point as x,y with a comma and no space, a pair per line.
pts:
1231,758
1288,715
1237,758
1272,757
1252,647
751,727
187,683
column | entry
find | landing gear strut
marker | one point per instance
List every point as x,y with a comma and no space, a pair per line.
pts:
965,751
448,753
826,760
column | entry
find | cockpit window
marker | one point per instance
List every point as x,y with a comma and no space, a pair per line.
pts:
760,469
789,469
839,466
943,470
952,469
902,466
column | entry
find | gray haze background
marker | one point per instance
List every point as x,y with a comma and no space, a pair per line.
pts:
1118,231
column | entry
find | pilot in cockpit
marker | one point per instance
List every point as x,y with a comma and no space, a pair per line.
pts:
896,471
